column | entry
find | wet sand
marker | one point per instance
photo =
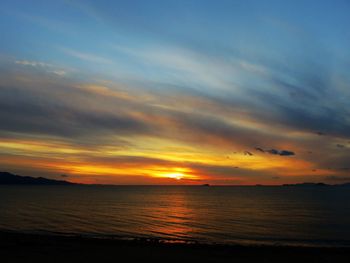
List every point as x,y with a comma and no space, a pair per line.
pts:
16,247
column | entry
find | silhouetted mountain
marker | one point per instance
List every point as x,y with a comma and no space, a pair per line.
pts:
8,178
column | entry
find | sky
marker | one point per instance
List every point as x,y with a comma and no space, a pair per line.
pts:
176,92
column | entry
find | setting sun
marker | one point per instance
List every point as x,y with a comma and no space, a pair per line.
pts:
177,176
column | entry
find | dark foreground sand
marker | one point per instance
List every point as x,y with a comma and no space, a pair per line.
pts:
16,247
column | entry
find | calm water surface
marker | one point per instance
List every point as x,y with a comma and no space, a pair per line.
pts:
272,215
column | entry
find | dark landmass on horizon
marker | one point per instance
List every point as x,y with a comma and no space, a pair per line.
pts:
10,179
18,247
7,178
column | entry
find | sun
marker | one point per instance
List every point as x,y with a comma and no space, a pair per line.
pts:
176,173
177,176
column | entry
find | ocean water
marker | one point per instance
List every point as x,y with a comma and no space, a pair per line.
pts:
316,216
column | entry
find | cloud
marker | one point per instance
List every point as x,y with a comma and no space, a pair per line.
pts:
59,72
271,93
32,63
62,120
316,107
248,153
108,115
92,111
273,151
45,106
259,149
276,152
86,56
50,68
286,153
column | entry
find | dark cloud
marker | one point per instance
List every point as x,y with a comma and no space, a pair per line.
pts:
315,104
64,121
211,130
276,152
58,108
49,106
259,149
301,118
272,151
286,153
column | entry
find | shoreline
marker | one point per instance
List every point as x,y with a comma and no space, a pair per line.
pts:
25,247
283,243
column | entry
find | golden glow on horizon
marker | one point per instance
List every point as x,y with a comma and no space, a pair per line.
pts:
155,158
169,153
177,176
81,167
177,173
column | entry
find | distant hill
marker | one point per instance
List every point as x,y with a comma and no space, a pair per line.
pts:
8,178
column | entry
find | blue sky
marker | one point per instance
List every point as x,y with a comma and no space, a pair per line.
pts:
234,75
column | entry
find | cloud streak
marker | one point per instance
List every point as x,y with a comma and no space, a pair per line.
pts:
89,57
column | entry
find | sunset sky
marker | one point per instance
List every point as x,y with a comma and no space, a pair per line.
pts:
176,92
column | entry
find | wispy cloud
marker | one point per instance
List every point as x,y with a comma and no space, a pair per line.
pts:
86,56
50,68
32,63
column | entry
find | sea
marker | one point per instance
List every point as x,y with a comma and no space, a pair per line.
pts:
246,215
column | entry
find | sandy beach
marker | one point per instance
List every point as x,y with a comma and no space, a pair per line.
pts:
17,247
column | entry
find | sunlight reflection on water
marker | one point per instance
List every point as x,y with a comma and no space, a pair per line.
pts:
174,213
